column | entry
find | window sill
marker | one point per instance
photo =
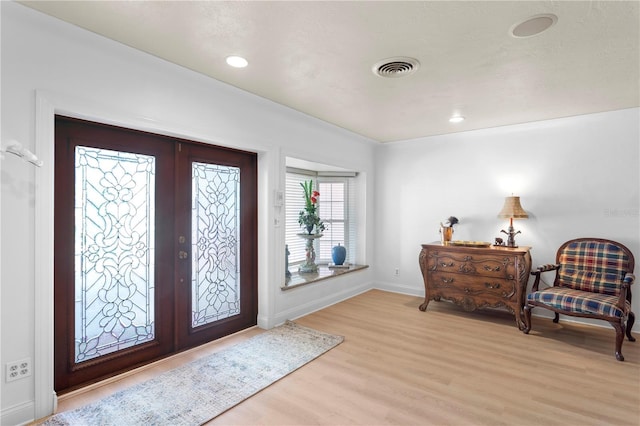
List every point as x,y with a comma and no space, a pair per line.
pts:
324,272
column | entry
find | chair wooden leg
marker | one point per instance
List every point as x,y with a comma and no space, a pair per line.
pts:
527,319
556,318
619,327
630,321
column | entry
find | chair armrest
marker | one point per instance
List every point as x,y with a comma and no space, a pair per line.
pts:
629,278
625,294
539,270
547,267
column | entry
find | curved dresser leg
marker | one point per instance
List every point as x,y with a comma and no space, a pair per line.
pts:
556,318
424,305
527,319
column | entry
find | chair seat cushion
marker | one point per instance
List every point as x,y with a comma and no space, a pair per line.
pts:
578,301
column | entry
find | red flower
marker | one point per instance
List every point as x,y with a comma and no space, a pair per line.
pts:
315,194
314,200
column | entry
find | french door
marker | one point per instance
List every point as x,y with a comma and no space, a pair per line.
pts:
155,247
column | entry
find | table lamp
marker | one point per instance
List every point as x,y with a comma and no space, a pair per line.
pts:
512,210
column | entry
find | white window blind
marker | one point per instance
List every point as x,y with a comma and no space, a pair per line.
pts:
337,209
333,211
294,203
351,225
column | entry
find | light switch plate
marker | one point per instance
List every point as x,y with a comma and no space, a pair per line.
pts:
278,199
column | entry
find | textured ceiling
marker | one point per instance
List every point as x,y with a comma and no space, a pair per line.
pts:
316,57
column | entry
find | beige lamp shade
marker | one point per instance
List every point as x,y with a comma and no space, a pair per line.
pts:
512,209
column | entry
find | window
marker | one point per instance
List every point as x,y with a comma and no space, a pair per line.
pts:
294,202
332,210
336,207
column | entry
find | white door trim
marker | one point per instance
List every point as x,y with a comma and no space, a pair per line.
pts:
49,104
45,399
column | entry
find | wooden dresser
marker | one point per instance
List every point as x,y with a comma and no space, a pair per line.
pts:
475,277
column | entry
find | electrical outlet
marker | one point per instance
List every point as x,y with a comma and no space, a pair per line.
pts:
18,369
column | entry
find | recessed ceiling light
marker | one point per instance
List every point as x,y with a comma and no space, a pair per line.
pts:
456,119
533,26
237,61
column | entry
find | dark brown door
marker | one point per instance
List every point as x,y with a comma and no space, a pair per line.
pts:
155,247
216,228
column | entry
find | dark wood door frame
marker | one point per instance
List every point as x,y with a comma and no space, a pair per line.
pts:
172,298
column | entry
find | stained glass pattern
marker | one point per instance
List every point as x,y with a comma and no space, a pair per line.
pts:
114,251
215,291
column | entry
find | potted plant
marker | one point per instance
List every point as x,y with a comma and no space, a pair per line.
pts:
308,217
446,229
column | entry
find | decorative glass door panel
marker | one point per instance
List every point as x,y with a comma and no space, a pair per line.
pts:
114,251
215,243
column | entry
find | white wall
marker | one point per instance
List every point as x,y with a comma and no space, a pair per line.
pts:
49,66
577,177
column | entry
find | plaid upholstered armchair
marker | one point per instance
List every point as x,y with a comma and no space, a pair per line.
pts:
593,280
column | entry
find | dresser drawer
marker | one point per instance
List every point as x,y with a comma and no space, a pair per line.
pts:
472,286
486,266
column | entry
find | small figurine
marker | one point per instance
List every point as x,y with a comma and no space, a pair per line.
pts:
499,242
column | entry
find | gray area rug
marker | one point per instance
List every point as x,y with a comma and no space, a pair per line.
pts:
201,390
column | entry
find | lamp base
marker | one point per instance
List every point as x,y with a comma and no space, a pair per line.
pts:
511,234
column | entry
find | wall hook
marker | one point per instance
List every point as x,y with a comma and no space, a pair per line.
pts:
20,151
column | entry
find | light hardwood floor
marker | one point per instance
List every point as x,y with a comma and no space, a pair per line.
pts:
398,365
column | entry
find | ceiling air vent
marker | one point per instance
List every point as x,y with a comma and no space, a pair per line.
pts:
396,67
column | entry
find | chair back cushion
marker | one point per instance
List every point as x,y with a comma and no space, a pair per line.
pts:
596,266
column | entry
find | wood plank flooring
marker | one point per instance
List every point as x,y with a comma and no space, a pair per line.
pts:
401,366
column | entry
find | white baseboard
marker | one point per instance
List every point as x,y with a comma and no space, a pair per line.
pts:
316,305
17,414
399,288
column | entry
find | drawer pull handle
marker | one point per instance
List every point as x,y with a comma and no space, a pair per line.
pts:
447,280
467,269
489,285
490,269
446,265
